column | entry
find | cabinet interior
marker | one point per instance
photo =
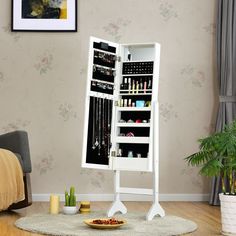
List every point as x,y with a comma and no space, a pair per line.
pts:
120,82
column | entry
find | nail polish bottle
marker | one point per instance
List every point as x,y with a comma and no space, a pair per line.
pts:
149,84
125,103
130,103
133,87
129,85
137,87
145,86
141,86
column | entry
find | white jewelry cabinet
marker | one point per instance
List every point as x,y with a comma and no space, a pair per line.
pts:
121,125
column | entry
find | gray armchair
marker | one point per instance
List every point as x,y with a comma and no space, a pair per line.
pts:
17,142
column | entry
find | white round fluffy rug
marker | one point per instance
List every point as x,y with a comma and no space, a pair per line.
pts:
65,225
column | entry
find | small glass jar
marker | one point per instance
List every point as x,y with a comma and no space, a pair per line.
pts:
119,154
139,155
130,154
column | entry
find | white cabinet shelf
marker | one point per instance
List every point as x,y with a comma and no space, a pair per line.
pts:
126,92
146,125
133,108
132,139
126,75
133,61
130,164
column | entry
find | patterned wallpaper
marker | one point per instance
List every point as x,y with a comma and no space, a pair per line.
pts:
43,81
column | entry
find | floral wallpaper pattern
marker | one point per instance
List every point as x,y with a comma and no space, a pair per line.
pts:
195,180
1,77
44,164
197,77
167,111
15,35
42,107
210,29
15,125
44,63
66,111
167,10
115,28
96,178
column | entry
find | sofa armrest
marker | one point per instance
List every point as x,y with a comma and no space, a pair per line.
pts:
17,142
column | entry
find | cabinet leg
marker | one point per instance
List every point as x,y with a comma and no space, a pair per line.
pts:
155,209
117,206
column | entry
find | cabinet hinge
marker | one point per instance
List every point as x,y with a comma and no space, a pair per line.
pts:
113,153
118,58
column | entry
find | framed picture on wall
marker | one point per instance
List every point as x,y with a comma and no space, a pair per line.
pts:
44,15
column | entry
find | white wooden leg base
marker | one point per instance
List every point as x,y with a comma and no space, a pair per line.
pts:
117,206
156,209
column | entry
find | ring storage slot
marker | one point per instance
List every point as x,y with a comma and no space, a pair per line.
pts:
104,59
104,47
102,87
142,115
137,68
136,131
103,74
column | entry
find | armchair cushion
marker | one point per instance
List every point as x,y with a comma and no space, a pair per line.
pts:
17,142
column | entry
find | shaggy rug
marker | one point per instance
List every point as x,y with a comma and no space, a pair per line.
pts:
65,225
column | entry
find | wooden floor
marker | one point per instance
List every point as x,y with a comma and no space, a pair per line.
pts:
207,217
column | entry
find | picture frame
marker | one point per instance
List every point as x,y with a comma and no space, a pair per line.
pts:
44,15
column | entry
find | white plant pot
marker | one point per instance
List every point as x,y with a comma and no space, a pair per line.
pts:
228,214
70,210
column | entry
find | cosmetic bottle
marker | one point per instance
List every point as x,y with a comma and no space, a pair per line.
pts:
137,87
133,87
125,84
129,85
141,86
145,86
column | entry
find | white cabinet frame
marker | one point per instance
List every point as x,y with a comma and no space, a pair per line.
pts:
147,52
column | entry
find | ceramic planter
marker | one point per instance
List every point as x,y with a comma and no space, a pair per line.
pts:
70,210
228,214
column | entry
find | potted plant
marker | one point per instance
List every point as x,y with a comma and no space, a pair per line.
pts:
70,207
217,157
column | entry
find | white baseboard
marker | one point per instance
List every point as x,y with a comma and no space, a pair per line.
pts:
128,197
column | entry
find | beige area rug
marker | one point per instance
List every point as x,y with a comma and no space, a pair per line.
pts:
65,225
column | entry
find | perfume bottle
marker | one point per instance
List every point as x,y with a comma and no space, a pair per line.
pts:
129,103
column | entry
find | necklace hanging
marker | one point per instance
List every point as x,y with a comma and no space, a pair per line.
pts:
108,127
103,122
96,130
94,123
105,127
99,125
